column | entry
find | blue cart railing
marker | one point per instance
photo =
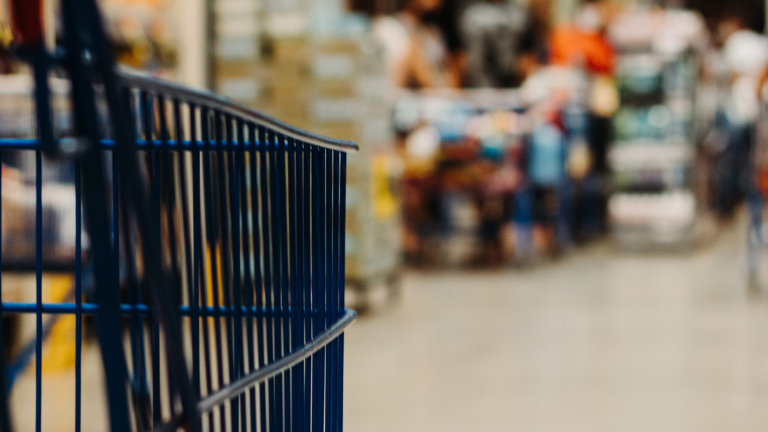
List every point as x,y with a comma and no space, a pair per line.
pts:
209,247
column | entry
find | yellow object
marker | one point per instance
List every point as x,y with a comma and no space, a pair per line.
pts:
604,99
579,160
383,202
209,275
5,34
59,347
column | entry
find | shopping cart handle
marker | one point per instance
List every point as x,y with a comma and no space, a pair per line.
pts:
26,20
234,389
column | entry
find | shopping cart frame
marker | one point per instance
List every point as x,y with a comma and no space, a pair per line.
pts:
139,104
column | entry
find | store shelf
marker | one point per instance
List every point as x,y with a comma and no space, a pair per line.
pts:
653,156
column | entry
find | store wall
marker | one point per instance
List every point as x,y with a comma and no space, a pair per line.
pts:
752,11
193,58
564,10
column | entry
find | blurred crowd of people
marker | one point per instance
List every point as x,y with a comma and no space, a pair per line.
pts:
503,45
492,43
470,44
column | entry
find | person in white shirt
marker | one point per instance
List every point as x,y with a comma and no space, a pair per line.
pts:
745,57
745,53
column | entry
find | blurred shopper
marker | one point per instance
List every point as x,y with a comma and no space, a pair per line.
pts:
417,57
760,154
490,32
583,44
745,56
416,54
557,155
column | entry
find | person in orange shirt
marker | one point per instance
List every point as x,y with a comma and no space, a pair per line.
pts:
583,43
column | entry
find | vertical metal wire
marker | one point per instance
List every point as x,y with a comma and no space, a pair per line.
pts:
218,196
342,221
78,300
234,141
259,250
222,181
282,265
268,256
333,288
296,303
181,153
247,207
275,288
208,275
167,186
199,206
140,387
154,191
318,295
192,239
306,252
167,235
213,250
5,415
115,220
275,263
38,287
147,120
329,282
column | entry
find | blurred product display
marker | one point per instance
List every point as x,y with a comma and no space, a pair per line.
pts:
143,34
513,170
19,204
18,199
471,186
654,151
491,33
237,51
490,175
318,67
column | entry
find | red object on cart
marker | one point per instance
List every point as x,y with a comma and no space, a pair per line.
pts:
26,19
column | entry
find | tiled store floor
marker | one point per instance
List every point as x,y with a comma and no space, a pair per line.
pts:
599,341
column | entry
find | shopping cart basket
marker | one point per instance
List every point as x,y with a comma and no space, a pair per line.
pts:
215,236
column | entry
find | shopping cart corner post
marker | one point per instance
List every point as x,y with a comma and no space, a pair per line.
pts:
5,414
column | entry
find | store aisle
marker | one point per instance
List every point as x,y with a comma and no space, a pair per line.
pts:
600,341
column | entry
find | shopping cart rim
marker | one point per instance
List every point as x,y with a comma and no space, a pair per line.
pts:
141,80
241,385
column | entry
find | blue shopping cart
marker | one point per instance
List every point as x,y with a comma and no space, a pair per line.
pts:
213,245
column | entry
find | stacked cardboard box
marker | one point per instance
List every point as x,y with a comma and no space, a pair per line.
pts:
334,86
347,86
239,74
349,98
261,54
286,59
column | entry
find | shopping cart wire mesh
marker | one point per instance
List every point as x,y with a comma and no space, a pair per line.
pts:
215,236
